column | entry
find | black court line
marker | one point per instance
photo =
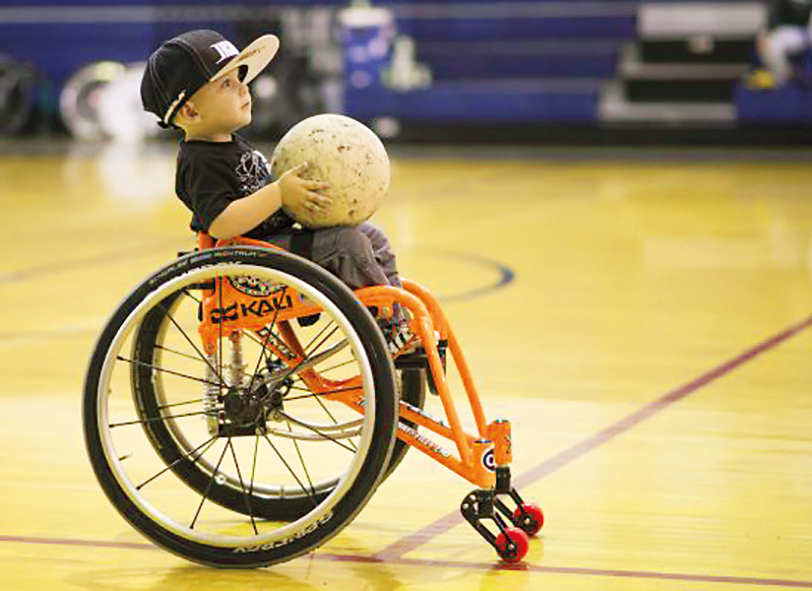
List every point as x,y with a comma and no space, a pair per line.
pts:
506,275
110,257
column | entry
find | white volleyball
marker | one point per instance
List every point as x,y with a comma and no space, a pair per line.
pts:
344,153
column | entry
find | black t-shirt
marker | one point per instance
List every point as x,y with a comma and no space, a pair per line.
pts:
211,175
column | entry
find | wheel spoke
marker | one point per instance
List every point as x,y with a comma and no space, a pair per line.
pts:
301,460
166,371
185,291
323,340
209,485
318,395
321,332
155,419
186,456
242,487
316,431
174,404
309,362
180,353
192,343
253,466
292,473
264,346
342,364
254,338
335,422
325,409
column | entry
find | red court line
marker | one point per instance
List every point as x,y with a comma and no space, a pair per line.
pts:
484,566
443,524
75,542
595,572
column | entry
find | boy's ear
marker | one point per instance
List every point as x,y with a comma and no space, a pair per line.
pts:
188,113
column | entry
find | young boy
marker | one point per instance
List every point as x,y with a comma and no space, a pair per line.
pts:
197,82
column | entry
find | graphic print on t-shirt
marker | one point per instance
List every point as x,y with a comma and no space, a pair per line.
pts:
253,172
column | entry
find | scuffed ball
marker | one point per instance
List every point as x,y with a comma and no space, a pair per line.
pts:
344,153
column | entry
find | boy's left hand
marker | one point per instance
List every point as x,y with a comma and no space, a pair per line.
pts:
298,192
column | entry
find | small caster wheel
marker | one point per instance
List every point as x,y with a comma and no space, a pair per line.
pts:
531,520
513,547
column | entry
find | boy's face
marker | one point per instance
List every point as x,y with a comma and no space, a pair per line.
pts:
222,106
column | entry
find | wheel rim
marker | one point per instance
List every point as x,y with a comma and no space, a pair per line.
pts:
225,457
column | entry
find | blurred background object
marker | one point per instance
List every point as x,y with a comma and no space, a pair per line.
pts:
18,95
81,98
783,44
456,70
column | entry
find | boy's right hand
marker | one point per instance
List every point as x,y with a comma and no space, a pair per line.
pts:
302,193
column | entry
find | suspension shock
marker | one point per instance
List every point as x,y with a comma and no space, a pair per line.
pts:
237,367
211,393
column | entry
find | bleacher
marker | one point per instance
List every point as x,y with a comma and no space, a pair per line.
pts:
521,61
600,64
613,62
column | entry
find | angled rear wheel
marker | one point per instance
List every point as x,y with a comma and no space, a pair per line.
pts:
233,458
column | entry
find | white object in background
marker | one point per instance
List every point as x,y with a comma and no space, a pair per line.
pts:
80,98
121,115
404,72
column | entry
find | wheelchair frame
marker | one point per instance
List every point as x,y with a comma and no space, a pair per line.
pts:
483,459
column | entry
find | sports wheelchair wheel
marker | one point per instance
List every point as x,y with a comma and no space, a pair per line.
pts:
150,345
229,457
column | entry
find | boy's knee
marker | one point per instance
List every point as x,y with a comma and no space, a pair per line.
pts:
374,234
350,241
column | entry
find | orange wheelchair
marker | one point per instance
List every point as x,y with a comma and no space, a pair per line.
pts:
242,405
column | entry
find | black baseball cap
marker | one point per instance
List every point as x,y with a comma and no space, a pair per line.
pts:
182,65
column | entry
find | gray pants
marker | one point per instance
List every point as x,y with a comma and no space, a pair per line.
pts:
360,256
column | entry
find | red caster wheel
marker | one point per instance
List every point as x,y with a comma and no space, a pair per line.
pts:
517,550
532,519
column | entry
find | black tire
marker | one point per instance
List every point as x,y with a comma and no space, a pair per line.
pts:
413,391
147,349
150,462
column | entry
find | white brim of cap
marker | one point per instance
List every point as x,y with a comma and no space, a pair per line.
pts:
255,57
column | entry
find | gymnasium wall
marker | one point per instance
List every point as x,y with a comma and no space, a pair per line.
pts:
563,64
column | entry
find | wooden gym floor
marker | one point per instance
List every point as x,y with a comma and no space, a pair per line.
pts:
644,322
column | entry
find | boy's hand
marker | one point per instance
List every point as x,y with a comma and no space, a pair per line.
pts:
302,193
